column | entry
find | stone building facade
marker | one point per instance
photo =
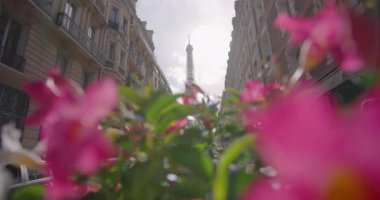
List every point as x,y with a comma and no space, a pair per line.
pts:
259,51
85,39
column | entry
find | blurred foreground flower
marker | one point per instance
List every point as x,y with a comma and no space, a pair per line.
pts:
194,95
69,122
330,31
13,153
256,92
317,152
176,125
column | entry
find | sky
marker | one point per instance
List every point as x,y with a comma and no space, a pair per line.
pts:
209,24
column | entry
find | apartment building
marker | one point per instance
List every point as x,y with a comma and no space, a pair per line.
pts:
85,39
129,47
259,51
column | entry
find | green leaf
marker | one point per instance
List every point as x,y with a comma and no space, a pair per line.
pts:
170,115
239,181
233,91
158,104
220,185
193,159
144,179
96,196
148,92
31,192
368,79
191,187
192,136
130,95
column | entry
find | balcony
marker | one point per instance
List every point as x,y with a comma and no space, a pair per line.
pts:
11,59
121,70
64,21
45,5
114,25
99,5
96,51
109,64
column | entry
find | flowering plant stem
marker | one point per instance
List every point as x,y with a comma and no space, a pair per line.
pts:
220,184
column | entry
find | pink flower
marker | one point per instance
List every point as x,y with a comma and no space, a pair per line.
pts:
318,152
176,126
59,99
46,94
69,121
73,149
365,33
188,99
256,92
194,95
328,31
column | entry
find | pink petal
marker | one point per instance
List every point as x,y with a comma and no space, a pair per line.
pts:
100,99
266,189
93,154
298,27
176,126
352,62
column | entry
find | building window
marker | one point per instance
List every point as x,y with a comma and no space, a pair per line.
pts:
112,22
91,33
122,59
86,78
125,26
63,64
114,13
3,27
13,106
111,51
70,10
10,36
11,39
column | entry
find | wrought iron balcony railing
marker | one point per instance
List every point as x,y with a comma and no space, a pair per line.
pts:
117,69
121,70
99,5
96,51
11,59
74,30
45,5
113,25
109,64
